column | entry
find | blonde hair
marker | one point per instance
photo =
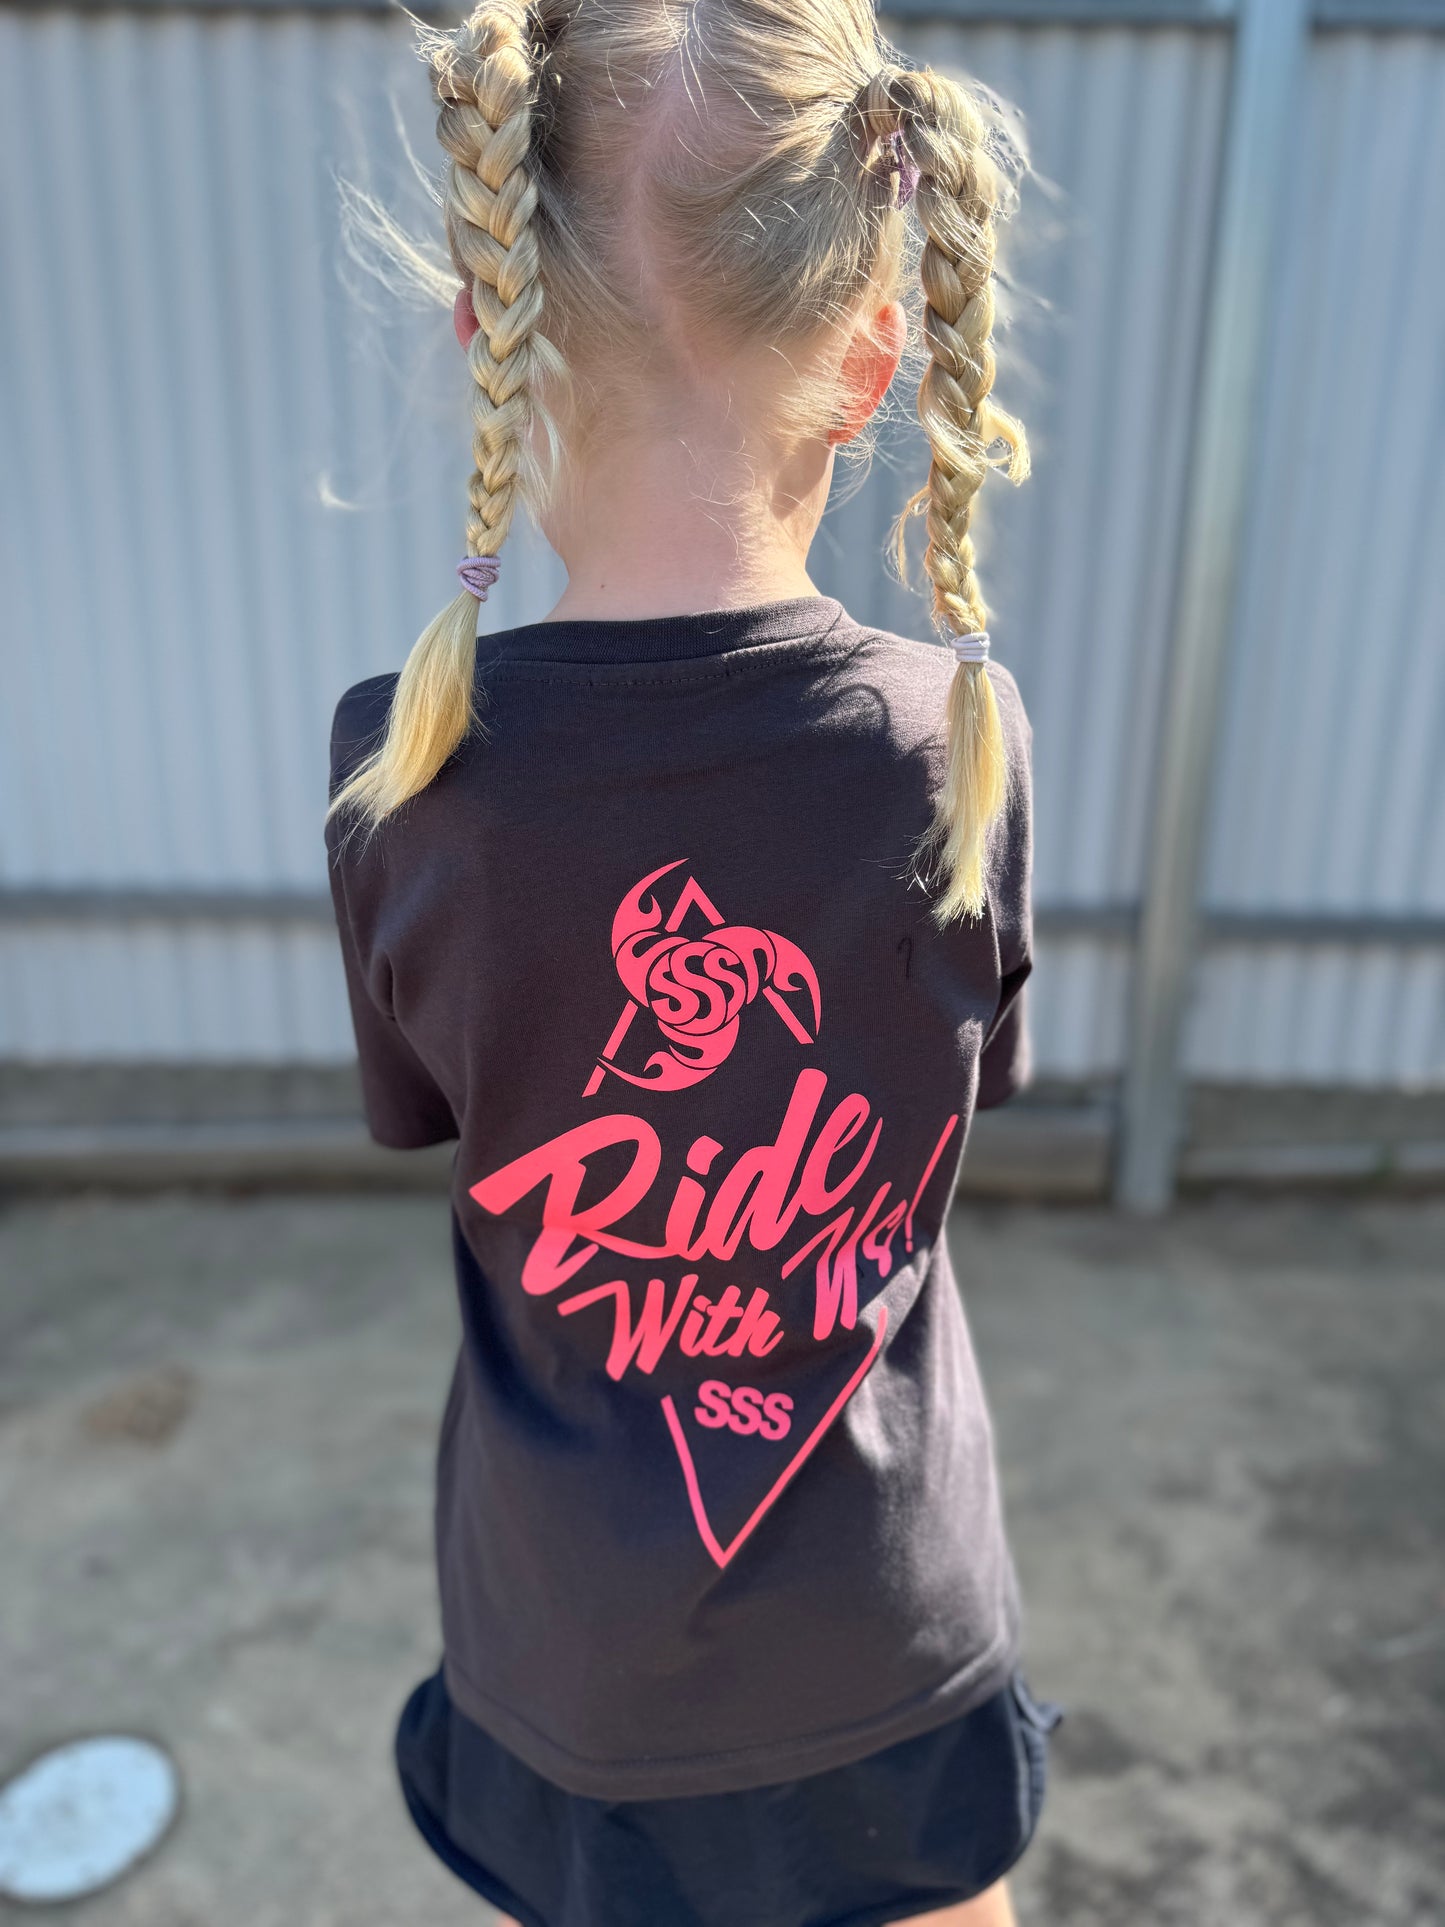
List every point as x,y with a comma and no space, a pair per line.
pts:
575,197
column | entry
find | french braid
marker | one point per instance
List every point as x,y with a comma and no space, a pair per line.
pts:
959,188
484,85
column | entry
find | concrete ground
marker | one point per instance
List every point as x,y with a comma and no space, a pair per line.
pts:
1223,1439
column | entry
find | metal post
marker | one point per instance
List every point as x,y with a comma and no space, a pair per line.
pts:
1269,44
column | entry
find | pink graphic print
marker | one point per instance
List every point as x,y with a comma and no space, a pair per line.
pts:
697,987
722,1554
806,1202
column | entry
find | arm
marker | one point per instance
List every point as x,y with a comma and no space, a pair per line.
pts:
402,1102
1006,1060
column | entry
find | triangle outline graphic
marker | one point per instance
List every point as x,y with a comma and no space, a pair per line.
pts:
721,1554
691,897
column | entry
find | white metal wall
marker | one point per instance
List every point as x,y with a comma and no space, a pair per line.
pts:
231,487
191,388
1331,786
1111,251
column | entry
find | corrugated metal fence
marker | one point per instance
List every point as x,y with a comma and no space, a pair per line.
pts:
233,468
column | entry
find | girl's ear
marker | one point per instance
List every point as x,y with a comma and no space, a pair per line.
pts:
868,367
464,316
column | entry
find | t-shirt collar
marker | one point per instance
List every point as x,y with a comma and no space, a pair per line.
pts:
665,638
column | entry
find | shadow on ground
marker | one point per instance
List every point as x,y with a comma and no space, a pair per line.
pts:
1223,1440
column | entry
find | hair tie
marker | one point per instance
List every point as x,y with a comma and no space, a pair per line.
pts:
478,573
972,647
905,168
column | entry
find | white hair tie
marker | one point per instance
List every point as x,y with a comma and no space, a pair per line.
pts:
972,647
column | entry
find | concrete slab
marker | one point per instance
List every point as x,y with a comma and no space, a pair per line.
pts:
151,1126
1225,1464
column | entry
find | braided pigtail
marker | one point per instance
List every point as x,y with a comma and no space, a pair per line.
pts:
485,85
945,137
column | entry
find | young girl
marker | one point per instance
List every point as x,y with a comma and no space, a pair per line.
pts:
699,916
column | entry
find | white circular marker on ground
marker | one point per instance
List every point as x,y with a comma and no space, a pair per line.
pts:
78,1817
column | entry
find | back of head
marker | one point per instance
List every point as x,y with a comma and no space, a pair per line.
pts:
642,192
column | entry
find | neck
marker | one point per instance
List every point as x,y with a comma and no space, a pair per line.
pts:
666,530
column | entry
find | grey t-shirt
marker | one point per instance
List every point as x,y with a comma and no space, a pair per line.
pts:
716,1497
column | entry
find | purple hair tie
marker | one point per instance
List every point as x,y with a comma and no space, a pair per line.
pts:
902,166
478,573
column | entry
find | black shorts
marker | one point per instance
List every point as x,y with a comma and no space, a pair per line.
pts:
923,1824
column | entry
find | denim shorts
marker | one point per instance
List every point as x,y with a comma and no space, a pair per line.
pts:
923,1824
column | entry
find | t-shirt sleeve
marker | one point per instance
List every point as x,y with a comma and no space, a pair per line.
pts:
403,1105
1006,1061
